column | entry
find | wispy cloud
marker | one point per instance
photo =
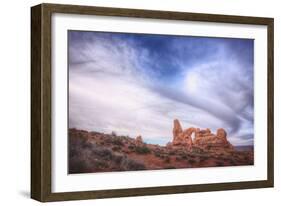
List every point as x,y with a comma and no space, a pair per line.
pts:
137,84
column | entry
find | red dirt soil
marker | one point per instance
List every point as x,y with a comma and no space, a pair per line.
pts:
97,152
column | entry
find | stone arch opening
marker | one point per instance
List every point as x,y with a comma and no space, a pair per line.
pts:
192,135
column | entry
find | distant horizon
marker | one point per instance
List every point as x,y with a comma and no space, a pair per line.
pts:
137,84
150,141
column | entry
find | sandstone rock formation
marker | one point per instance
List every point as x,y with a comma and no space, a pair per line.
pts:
139,140
204,138
207,140
180,137
177,128
221,133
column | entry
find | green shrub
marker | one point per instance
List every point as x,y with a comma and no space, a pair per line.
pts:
157,154
117,141
116,148
142,150
77,166
131,147
118,159
99,164
130,164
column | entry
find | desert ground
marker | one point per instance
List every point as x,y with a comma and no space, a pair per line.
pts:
98,152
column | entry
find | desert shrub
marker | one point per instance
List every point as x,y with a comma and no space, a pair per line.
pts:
77,166
131,147
116,148
80,135
197,150
142,150
100,164
79,162
129,164
77,141
157,153
86,145
117,141
118,159
102,153
124,137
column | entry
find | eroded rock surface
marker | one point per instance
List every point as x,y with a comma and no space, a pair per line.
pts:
204,138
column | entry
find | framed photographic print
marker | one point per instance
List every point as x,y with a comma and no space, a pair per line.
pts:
130,102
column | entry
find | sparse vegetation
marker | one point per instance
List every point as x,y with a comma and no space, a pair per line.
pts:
117,141
132,147
98,152
158,153
129,164
116,148
142,150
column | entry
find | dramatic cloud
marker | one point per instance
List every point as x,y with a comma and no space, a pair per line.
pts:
137,84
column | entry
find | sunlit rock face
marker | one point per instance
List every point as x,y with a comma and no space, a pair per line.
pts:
180,137
177,129
204,138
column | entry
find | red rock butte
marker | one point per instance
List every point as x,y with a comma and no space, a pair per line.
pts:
203,139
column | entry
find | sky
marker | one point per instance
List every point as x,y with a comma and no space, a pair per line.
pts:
137,84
